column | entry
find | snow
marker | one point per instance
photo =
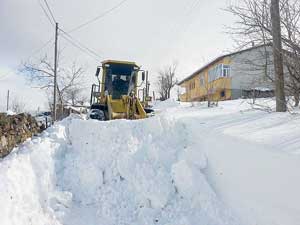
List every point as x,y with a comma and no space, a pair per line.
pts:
10,113
262,89
189,164
163,105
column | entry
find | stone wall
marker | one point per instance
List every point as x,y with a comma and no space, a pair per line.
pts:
15,129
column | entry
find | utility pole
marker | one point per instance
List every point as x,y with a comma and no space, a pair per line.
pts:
55,74
147,86
7,101
277,54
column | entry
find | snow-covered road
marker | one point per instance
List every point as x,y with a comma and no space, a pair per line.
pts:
187,165
253,161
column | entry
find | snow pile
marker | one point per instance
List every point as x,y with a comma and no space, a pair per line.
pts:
10,113
139,172
28,181
163,105
110,173
188,165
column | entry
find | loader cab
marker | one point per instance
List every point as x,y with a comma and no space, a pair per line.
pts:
115,95
119,78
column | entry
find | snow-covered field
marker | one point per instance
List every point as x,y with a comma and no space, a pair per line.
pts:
188,165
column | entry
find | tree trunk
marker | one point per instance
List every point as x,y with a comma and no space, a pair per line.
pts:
208,100
297,99
277,53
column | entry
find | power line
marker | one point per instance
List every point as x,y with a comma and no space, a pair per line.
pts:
194,5
45,12
98,17
189,7
81,49
193,8
41,48
50,11
69,38
28,57
181,26
189,11
80,44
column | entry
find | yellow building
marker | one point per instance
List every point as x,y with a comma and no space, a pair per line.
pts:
229,76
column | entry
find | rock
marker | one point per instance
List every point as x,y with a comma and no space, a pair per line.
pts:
3,141
15,130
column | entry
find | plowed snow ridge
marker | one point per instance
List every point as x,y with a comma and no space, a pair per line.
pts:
185,166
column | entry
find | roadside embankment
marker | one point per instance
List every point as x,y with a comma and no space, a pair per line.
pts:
15,129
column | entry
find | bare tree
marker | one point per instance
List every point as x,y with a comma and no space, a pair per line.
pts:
254,25
75,96
166,81
69,80
209,89
290,21
293,67
17,105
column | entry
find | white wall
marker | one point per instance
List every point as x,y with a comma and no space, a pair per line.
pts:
248,69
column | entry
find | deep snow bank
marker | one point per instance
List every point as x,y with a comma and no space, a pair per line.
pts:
187,165
253,157
110,173
28,192
140,172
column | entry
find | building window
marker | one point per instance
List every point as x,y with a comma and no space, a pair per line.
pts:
226,71
192,85
218,71
222,94
202,82
267,67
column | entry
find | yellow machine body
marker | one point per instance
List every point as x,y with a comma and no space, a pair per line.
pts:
116,94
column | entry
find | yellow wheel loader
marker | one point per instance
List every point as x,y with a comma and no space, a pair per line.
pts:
116,95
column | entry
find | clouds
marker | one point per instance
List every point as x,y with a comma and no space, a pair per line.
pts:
152,33
20,89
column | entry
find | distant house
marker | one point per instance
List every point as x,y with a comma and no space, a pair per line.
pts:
241,74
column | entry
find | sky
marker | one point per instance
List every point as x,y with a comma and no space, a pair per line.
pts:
152,33
20,91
